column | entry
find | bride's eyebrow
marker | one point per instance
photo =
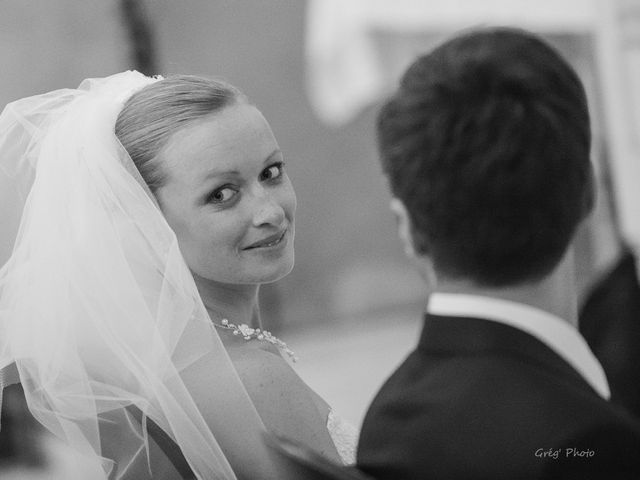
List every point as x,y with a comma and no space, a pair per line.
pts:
277,152
219,172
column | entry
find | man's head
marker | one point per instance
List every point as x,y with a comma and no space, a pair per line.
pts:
486,146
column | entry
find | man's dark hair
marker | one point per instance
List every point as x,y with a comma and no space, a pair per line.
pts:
487,142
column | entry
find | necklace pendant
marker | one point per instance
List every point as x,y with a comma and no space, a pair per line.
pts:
249,333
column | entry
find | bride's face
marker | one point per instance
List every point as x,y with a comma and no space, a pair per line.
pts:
228,198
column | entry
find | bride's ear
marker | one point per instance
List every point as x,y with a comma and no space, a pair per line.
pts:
403,223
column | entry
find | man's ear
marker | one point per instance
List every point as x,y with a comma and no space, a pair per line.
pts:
423,263
404,227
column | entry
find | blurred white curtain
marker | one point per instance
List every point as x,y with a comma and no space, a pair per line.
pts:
618,60
356,49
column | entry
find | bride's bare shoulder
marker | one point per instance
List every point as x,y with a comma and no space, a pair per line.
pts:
263,370
284,401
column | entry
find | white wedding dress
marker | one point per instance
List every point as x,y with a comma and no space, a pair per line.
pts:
344,436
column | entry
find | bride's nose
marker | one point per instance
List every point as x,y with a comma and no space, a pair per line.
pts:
268,212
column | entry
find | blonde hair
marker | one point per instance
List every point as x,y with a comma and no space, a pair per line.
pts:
152,115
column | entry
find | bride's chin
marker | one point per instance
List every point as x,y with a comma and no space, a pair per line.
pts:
248,272
279,271
279,275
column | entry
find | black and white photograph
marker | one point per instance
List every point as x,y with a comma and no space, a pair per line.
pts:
319,240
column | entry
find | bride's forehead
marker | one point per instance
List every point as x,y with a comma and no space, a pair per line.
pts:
225,141
235,125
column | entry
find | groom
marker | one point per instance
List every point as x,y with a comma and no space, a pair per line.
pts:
486,148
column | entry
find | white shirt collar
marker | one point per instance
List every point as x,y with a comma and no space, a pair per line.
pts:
554,332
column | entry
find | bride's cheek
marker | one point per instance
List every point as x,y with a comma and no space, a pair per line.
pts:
289,202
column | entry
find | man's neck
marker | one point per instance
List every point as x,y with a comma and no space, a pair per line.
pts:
555,293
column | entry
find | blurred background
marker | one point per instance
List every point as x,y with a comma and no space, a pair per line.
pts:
318,70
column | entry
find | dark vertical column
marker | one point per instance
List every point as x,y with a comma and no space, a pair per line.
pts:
140,31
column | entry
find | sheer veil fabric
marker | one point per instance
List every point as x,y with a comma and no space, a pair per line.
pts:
98,309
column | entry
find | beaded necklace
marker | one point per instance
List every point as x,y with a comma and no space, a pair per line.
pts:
249,333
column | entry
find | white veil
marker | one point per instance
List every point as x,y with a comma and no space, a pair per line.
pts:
98,310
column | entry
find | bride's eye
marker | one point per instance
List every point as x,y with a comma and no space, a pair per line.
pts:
273,172
222,195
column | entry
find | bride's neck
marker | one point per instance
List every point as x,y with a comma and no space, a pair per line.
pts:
237,303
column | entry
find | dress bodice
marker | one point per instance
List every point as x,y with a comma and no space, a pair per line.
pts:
344,436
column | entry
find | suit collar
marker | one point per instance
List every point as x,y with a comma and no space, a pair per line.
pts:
449,335
557,334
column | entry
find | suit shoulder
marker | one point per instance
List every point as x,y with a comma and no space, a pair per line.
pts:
488,411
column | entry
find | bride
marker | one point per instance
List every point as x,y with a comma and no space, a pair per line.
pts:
151,210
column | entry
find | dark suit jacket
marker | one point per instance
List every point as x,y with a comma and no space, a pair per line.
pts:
481,400
610,322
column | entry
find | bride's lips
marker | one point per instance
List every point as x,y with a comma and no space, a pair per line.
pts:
269,242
